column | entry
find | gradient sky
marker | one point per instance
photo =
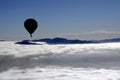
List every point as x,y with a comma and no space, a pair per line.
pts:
74,19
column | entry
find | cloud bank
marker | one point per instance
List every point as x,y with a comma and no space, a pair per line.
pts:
105,55
59,62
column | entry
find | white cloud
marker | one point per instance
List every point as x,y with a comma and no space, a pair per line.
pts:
91,35
9,48
58,73
86,56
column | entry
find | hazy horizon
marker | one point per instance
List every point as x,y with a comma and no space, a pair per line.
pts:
72,19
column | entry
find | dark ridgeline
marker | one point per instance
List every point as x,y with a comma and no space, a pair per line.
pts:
67,41
62,41
2,40
26,42
56,41
111,40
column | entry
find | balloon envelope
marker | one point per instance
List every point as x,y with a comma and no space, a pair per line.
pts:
30,25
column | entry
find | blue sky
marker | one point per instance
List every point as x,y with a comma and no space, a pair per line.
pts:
81,19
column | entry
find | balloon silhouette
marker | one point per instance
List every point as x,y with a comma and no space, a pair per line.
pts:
30,25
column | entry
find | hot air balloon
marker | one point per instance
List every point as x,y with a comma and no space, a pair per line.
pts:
30,25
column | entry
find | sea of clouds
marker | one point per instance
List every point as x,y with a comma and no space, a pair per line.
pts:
57,73
60,61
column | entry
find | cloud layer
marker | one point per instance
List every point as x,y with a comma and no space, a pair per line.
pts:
105,55
59,62
57,73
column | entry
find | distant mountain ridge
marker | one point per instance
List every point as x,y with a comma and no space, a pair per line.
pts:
58,40
26,42
62,41
2,40
111,40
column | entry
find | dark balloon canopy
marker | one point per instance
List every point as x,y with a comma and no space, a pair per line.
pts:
30,25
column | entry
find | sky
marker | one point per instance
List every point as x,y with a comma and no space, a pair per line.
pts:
72,19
